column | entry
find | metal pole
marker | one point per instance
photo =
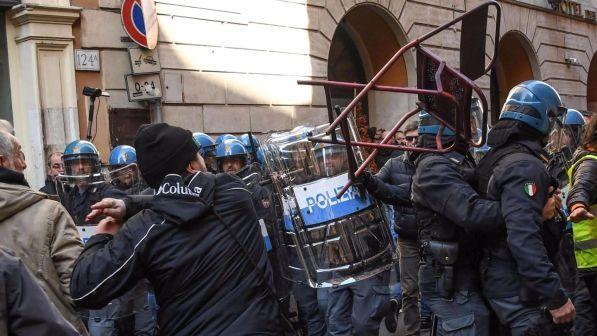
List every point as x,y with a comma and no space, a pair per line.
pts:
156,111
90,117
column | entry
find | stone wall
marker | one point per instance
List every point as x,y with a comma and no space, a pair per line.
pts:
231,66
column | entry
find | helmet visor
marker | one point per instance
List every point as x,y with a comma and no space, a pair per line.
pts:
126,178
332,160
83,166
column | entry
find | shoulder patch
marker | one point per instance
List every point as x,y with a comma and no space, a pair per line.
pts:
530,188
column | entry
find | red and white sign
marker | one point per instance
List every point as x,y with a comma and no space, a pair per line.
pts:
140,21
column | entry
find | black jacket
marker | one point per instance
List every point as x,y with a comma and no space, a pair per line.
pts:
584,181
50,187
78,204
24,307
392,185
450,210
204,283
517,262
384,155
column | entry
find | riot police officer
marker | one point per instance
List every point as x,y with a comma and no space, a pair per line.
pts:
82,184
223,137
353,308
450,216
231,156
207,147
518,277
123,169
562,144
560,245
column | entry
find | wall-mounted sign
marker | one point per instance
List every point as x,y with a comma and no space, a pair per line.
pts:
140,21
144,60
143,87
87,60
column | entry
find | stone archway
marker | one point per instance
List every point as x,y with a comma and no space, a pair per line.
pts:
516,62
366,37
592,86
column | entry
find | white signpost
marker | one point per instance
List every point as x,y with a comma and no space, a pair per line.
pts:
143,87
144,61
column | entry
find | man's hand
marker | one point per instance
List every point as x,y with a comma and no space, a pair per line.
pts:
580,213
553,204
108,225
564,314
111,207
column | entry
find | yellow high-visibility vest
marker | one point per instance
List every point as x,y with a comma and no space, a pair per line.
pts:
585,232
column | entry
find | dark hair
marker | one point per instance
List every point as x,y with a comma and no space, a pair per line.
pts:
590,137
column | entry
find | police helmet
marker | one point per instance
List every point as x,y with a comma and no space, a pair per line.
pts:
247,141
223,137
534,103
122,155
229,148
206,143
573,117
260,156
322,149
430,125
83,152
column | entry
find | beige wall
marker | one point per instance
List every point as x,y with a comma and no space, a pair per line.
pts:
231,66
40,51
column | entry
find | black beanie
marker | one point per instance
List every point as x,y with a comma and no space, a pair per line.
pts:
163,149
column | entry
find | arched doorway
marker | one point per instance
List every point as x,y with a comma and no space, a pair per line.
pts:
364,40
516,63
592,86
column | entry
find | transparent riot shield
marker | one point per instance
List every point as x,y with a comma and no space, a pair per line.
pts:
129,314
126,178
329,240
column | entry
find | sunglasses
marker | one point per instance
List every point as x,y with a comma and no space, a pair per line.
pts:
411,138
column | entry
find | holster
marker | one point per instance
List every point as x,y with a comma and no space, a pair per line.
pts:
445,255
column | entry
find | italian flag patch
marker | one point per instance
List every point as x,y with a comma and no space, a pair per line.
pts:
530,188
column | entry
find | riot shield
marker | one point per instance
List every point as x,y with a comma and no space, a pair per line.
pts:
329,240
129,314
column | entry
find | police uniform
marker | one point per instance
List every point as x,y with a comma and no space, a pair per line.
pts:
519,279
451,215
78,201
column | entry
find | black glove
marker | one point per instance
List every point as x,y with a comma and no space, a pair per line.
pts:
364,179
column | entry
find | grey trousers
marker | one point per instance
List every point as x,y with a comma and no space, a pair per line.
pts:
409,251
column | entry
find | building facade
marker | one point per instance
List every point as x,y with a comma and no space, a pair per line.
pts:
230,66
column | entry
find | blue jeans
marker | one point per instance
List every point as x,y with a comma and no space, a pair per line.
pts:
351,307
153,305
396,288
309,311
